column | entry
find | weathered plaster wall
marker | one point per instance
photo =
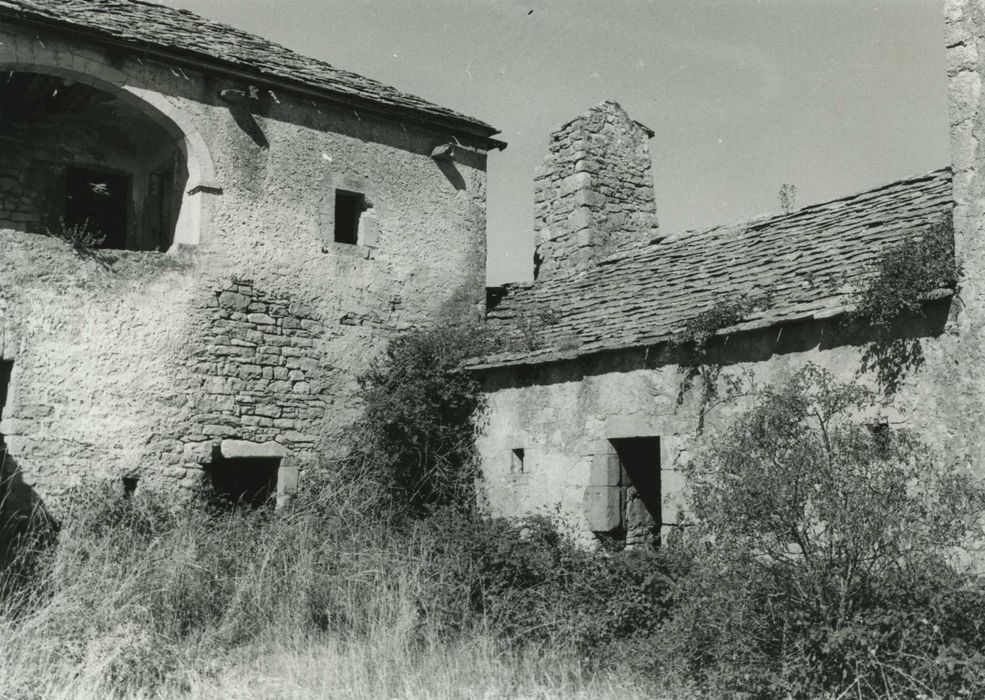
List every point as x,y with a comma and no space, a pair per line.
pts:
961,399
564,415
594,192
134,363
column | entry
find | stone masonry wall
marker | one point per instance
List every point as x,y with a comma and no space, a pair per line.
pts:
257,373
594,193
20,203
564,417
138,363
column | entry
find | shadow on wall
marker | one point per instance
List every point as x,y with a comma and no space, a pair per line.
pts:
451,172
23,515
244,118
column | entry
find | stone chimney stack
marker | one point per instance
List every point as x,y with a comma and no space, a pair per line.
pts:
594,193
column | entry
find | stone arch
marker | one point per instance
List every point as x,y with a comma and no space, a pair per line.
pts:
194,217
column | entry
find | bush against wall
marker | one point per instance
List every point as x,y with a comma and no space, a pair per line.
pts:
830,555
416,437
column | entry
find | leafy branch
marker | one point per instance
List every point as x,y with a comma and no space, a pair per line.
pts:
906,277
698,366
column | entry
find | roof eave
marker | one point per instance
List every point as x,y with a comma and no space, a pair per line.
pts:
556,356
482,134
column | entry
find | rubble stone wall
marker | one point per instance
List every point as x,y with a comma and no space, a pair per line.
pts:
131,363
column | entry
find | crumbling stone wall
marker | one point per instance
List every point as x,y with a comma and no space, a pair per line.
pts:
594,193
131,363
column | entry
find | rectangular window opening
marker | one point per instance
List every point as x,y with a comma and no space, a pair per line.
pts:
349,207
882,437
516,461
129,485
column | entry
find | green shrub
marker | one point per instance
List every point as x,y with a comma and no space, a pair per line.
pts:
416,436
829,555
533,586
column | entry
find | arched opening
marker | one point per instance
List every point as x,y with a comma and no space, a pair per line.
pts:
92,164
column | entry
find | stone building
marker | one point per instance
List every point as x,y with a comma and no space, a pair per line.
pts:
203,239
584,416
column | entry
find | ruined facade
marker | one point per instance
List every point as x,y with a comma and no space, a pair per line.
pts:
586,418
204,239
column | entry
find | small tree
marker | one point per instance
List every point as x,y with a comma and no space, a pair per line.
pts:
416,435
830,552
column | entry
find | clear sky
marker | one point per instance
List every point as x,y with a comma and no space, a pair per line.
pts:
833,96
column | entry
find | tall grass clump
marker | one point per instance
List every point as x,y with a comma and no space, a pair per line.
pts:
138,598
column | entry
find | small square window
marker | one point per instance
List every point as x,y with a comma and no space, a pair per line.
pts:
516,461
349,207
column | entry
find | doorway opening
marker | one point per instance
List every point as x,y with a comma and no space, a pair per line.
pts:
6,370
639,486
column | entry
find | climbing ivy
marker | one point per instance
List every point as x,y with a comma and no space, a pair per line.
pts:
697,366
906,276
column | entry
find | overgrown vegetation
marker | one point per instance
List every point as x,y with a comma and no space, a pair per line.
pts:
83,238
832,561
139,598
416,439
824,561
698,364
905,278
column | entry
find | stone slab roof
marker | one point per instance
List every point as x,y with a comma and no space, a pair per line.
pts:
809,262
147,25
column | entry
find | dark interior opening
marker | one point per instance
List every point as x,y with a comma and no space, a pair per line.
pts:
640,459
76,155
349,207
250,481
129,485
517,456
98,200
6,369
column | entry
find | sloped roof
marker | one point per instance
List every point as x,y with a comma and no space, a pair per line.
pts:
148,25
808,262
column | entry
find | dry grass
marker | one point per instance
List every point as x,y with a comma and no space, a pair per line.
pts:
136,601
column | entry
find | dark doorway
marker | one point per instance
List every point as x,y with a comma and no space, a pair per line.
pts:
640,484
6,369
250,481
98,201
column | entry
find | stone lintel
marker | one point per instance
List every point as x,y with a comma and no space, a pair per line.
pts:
232,449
